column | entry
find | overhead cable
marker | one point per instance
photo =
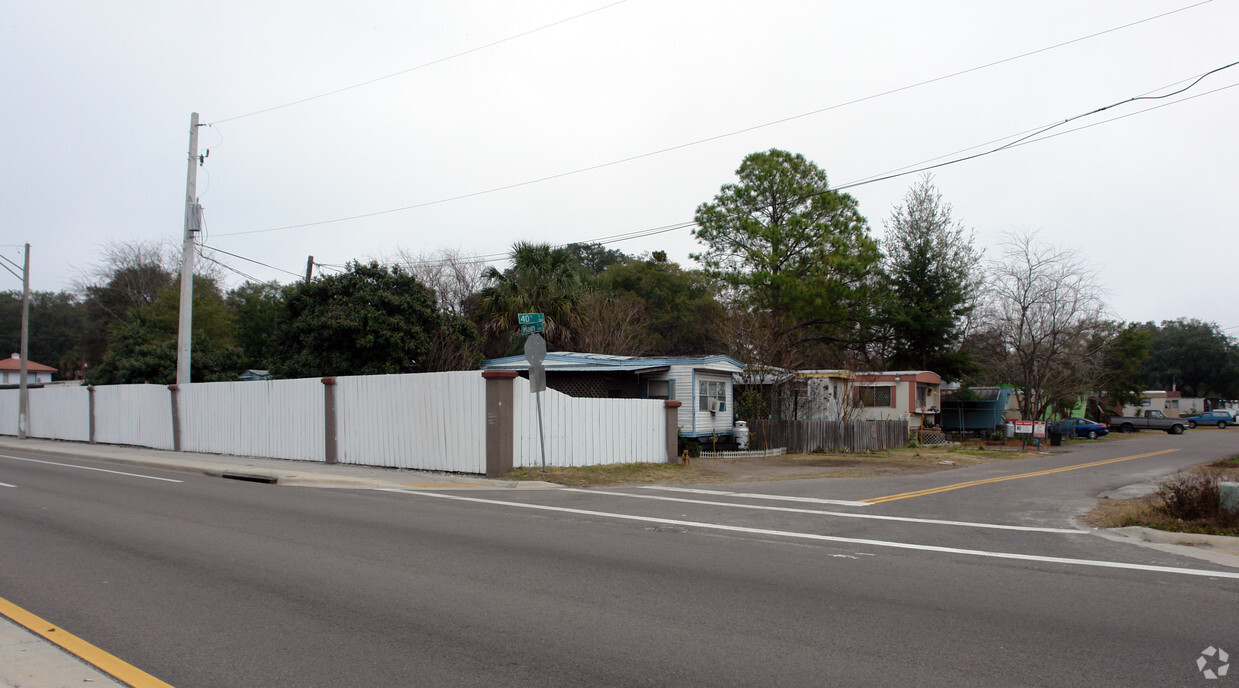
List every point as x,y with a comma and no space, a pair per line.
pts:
420,66
256,262
716,137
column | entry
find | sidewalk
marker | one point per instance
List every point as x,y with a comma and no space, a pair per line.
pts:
28,661
279,471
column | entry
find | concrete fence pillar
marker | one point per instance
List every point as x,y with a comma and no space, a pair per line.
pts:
672,412
176,417
331,435
90,404
499,421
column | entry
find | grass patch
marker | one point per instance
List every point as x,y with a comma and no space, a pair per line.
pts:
905,460
1186,502
1228,469
610,474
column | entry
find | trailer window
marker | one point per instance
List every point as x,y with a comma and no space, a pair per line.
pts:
875,396
711,390
662,389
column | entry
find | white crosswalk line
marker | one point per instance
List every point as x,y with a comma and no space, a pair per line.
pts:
755,495
842,514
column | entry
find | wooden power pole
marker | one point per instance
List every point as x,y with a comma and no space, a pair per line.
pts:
184,335
23,411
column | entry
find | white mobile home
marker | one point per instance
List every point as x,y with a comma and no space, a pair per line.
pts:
702,384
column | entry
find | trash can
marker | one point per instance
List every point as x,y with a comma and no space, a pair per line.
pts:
1056,437
741,432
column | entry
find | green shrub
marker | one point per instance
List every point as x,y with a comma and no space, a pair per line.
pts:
691,444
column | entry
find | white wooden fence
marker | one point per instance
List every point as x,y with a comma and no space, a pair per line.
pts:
61,413
140,415
432,421
276,419
584,432
9,411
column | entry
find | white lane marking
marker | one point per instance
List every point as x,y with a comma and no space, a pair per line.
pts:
833,538
6,485
844,514
88,468
754,495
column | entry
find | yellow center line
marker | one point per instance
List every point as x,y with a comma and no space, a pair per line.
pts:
116,668
959,486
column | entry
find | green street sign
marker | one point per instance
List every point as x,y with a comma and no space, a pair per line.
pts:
531,319
532,328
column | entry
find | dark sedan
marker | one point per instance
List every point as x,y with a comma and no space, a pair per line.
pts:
1081,427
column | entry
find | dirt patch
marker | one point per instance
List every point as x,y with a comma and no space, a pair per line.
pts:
906,461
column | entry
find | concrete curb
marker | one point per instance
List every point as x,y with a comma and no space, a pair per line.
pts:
257,469
1166,537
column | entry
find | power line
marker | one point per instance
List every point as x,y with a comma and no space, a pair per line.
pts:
256,262
227,266
1026,137
602,241
1036,135
421,66
708,139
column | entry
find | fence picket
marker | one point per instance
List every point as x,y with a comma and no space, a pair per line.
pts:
803,436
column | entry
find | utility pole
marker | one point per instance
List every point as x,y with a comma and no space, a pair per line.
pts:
23,411
309,269
192,214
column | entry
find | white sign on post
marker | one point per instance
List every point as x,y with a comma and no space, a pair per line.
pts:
535,353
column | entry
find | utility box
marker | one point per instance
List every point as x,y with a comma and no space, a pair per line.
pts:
1229,496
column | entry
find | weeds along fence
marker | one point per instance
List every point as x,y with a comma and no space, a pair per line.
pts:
803,436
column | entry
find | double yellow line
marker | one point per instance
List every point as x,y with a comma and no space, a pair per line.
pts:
971,483
109,664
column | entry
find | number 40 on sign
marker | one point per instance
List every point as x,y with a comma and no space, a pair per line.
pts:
531,322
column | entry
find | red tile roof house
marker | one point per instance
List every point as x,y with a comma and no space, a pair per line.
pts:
36,373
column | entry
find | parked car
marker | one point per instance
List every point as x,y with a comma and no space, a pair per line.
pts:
1218,418
1151,420
1082,427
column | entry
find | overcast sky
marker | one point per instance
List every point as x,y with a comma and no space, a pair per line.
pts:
98,97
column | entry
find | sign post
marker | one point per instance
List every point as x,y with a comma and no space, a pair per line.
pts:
535,353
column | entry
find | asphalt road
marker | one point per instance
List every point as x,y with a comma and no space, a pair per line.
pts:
969,577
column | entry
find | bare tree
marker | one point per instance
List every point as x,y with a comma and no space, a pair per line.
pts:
455,278
129,274
1043,306
771,360
611,324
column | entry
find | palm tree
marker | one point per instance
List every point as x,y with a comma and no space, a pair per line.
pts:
541,279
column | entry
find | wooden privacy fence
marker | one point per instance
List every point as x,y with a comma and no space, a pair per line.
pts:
802,436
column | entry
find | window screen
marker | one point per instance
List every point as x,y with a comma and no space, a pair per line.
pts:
875,396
